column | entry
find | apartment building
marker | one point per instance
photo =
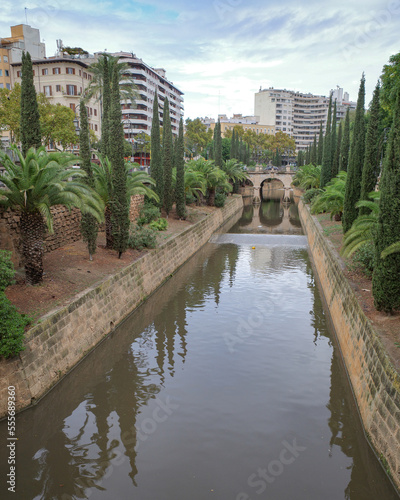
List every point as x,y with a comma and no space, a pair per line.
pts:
245,122
138,116
63,80
297,114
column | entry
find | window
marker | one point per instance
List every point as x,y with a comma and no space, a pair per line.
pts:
56,71
72,106
1,72
7,72
45,71
95,112
70,71
5,58
47,90
85,75
91,111
1,85
95,127
71,90
58,88
8,86
80,73
18,74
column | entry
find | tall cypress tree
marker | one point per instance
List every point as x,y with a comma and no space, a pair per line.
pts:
167,158
327,154
333,135
336,156
308,156
30,120
218,145
385,279
320,151
180,175
232,152
370,170
119,203
105,123
356,162
345,146
156,169
314,151
89,226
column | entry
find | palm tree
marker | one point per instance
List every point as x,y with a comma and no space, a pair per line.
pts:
332,198
234,171
128,90
40,181
363,228
195,184
393,248
137,183
215,177
308,177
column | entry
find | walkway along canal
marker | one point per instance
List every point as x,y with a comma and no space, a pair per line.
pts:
225,384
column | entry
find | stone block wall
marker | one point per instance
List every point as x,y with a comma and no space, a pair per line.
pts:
62,339
375,381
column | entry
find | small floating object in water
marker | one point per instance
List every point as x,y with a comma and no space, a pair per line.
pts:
253,248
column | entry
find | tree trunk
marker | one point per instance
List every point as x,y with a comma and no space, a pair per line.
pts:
32,234
211,197
109,235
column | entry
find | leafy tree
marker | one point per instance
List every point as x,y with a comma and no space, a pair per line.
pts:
105,121
320,151
336,153
218,145
356,162
314,151
10,111
370,170
56,123
156,167
39,181
89,226
345,145
30,120
390,84
180,175
215,178
167,158
385,279
327,155
119,204
300,158
308,177
196,135
234,170
332,197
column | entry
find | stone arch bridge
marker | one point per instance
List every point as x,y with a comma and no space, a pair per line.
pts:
258,178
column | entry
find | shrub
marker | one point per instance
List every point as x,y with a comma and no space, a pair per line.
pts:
364,259
310,194
160,224
189,199
148,213
6,270
142,237
219,200
12,328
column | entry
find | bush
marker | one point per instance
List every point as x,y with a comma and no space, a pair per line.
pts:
160,224
189,199
147,214
310,194
219,200
364,259
142,237
12,328
6,270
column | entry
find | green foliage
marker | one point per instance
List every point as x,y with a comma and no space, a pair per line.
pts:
394,248
332,197
218,145
385,281
310,194
30,120
120,201
326,173
6,270
147,214
167,158
12,328
156,167
364,259
320,149
308,176
10,111
196,135
345,144
180,175
106,94
219,200
390,83
356,162
160,224
142,237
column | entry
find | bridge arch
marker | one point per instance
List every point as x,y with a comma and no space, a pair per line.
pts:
259,178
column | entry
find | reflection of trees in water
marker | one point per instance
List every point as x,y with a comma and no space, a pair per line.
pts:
271,212
88,425
247,215
294,214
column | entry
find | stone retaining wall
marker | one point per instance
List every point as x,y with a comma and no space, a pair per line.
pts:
66,224
375,382
63,337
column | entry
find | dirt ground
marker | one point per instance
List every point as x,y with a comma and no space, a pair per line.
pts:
387,325
68,270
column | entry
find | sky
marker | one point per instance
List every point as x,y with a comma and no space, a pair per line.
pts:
220,52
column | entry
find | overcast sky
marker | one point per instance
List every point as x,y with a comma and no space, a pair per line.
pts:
220,52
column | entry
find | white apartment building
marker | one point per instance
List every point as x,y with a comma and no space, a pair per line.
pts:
298,115
138,116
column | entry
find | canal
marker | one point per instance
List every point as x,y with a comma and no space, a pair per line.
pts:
225,384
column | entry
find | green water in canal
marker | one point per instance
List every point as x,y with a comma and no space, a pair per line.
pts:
226,384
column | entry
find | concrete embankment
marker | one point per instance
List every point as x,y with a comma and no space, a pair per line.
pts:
375,381
64,337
